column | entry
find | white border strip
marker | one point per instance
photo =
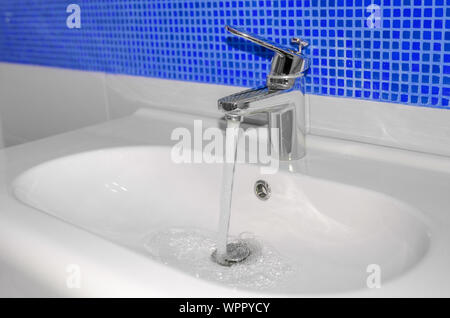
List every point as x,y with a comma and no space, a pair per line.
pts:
395,125
420,129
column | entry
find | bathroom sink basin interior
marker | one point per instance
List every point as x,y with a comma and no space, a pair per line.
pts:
312,235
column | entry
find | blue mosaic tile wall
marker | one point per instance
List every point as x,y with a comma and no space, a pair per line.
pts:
384,50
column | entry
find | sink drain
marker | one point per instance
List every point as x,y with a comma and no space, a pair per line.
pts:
236,253
262,190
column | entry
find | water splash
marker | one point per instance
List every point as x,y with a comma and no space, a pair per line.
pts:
190,250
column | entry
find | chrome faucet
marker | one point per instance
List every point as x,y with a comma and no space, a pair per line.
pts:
284,105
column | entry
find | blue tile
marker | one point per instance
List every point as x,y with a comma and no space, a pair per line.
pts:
405,59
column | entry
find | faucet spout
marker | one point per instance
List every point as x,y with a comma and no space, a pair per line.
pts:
285,111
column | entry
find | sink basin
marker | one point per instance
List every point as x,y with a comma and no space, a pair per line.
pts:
311,236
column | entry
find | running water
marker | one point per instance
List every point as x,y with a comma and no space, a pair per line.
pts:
232,138
255,265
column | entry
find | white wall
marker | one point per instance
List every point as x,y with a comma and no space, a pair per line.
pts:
416,128
2,143
36,102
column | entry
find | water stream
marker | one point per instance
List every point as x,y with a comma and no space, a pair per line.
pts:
229,166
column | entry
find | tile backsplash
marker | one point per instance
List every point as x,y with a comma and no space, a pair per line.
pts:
383,50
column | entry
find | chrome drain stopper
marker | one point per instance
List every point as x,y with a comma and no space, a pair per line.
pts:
236,253
262,190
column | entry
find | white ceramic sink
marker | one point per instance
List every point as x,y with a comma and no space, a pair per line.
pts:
312,235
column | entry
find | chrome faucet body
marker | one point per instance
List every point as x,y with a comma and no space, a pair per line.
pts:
283,104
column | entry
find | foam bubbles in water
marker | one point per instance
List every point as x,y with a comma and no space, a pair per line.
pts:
190,250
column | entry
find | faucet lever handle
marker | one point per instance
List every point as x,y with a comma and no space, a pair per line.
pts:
273,46
301,44
287,64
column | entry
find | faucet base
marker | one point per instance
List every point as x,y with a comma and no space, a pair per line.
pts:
286,117
287,139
